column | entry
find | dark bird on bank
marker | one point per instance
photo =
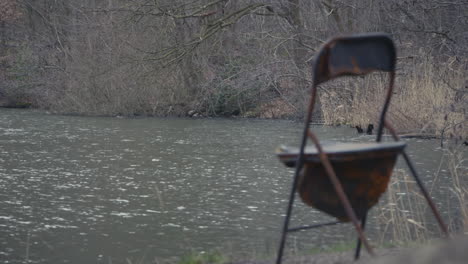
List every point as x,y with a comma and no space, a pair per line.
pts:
370,127
359,129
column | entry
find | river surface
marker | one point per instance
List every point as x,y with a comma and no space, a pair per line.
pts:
110,190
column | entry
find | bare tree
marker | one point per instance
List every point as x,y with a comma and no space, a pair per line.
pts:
218,57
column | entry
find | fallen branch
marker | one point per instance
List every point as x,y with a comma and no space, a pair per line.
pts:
420,136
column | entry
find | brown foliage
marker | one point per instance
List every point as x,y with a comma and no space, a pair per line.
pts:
9,11
216,57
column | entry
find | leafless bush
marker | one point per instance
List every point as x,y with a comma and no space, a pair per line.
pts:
220,57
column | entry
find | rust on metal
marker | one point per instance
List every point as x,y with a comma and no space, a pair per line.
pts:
354,55
339,190
363,169
346,180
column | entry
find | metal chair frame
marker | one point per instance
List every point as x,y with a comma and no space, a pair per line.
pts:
351,55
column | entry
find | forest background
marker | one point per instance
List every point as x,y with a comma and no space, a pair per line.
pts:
231,58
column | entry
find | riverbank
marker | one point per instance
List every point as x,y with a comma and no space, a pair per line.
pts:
439,252
458,137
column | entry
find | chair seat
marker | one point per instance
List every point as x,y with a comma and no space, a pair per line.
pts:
364,170
340,151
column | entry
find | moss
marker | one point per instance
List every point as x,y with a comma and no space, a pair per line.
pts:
203,258
339,247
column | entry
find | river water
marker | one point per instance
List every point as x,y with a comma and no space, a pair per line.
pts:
110,190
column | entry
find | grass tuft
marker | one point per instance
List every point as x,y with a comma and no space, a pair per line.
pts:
214,257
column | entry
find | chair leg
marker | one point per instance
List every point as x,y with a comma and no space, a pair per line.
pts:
286,220
426,195
358,246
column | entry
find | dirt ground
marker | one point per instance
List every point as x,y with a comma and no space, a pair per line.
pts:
454,251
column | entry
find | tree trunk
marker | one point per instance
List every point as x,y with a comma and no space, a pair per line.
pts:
300,52
3,44
190,76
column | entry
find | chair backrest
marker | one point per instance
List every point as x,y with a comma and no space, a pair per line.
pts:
356,55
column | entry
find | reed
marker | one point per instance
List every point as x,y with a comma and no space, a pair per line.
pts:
428,99
403,216
457,167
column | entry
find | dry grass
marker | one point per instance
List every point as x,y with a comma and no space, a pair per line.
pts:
428,98
404,216
457,167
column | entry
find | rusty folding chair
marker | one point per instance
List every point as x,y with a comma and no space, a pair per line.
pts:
345,180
